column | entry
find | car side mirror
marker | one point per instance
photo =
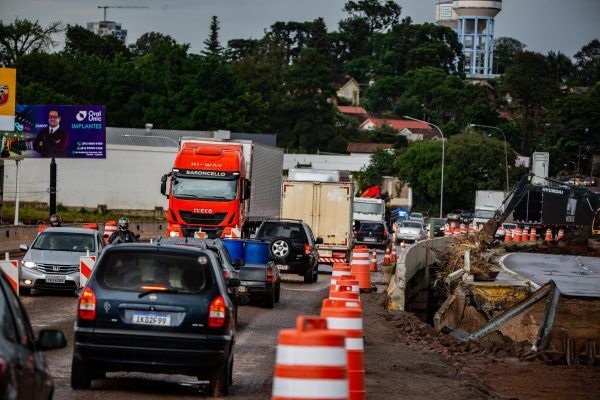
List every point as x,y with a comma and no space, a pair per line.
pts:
319,240
51,339
23,247
234,282
239,262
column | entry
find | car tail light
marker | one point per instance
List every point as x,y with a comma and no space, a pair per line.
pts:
226,273
154,287
87,305
269,274
307,249
216,313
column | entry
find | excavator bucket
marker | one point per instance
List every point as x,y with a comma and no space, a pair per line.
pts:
491,227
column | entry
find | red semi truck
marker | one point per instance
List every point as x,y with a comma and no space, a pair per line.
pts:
217,184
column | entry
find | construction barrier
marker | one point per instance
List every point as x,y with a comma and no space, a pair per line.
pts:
311,362
560,234
508,236
548,237
90,225
525,235
110,227
517,233
346,280
41,228
86,265
11,270
345,293
533,235
373,266
339,270
346,317
360,267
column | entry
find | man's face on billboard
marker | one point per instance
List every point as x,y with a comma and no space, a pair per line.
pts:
53,119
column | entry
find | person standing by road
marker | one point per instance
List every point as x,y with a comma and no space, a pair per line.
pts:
52,141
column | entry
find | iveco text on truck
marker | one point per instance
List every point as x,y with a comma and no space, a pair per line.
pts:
217,184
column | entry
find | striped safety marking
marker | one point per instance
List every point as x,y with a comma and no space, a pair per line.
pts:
11,269
86,265
355,344
310,388
341,273
328,260
311,356
347,324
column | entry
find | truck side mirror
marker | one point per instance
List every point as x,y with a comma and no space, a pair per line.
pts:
163,185
247,189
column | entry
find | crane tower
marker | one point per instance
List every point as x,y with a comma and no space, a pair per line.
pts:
473,21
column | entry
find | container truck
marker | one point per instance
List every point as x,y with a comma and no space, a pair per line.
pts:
325,206
486,204
220,183
368,209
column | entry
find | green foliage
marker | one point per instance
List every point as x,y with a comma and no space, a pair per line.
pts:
505,49
382,164
22,37
81,42
212,46
588,63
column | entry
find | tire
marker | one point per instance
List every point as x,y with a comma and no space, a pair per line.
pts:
24,291
315,275
219,382
308,276
281,249
230,380
278,294
80,375
269,300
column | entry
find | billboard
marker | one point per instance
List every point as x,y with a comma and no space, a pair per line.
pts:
8,93
56,132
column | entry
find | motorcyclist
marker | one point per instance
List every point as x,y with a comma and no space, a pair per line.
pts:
123,234
55,220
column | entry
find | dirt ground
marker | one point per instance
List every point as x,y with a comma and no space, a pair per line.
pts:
407,359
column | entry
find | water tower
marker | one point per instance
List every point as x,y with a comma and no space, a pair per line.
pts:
475,29
445,14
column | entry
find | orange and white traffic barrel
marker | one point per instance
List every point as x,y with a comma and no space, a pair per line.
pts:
517,233
508,236
42,228
533,234
548,237
90,225
346,280
311,362
339,270
360,267
346,317
561,234
345,293
525,235
110,227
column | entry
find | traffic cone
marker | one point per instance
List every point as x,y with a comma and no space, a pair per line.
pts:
525,235
508,236
394,254
374,261
533,235
561,234
548,237
345,317
311,362
517,233
386,258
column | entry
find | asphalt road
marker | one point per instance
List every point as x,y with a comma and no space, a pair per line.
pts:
574,275
254,352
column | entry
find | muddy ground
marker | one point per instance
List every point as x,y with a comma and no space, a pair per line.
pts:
407,359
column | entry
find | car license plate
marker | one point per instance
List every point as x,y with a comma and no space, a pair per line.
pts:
369,239
283,267
151,319
242,289
55,278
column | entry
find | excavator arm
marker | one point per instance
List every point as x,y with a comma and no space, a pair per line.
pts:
514,198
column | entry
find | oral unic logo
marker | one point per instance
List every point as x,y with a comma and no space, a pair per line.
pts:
81,115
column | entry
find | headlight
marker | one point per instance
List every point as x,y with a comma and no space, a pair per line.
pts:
28,264
174,234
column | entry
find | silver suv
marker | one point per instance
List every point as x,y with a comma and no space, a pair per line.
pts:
52,262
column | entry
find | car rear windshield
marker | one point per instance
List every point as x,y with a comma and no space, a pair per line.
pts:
416,215
64,241
366,227
143,271
408,224
271,230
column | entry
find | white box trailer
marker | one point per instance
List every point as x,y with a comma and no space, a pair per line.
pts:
486,204
327,208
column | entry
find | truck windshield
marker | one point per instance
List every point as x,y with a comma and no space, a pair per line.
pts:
198,188
368,208
484,214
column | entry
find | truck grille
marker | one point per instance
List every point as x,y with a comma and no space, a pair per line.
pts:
57,269
202,219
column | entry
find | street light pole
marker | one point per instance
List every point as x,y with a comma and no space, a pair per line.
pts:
505,147
443,159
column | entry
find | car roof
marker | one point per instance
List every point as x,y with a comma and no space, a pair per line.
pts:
68,229
154,246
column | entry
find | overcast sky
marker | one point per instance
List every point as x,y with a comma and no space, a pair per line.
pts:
543,25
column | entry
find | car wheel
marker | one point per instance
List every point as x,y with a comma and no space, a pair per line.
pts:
230,377
80,375
269,301
25,291
280,248
278,294
218,383
315,274
308,275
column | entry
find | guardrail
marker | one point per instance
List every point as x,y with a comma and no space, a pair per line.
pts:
11,236
411,275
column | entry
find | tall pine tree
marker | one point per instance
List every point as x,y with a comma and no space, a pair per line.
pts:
212,46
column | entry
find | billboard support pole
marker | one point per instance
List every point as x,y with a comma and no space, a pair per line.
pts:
52,187
17,194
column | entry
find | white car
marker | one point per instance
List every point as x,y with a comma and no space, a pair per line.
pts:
410,231
417,217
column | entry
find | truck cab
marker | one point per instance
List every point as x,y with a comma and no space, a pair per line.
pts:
207,188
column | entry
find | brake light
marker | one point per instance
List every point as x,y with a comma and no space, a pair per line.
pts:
269,274
87,305
226,273
216,313
146,287
307,249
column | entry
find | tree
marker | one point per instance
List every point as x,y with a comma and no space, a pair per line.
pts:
505,48
22,37
382,164
238,49
529,80
561,67
80,41
148,41
588,63
212,46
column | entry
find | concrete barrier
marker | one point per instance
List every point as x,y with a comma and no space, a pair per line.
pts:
412,271
11,236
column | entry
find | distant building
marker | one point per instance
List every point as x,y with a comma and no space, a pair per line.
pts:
348,89
473,21
106,28
367,148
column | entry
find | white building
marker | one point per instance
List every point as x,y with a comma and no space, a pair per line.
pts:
105,28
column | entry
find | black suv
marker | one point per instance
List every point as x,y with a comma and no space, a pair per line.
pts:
292,246
158,309
23,370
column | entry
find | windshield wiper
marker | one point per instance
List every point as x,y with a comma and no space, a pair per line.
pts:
147,292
